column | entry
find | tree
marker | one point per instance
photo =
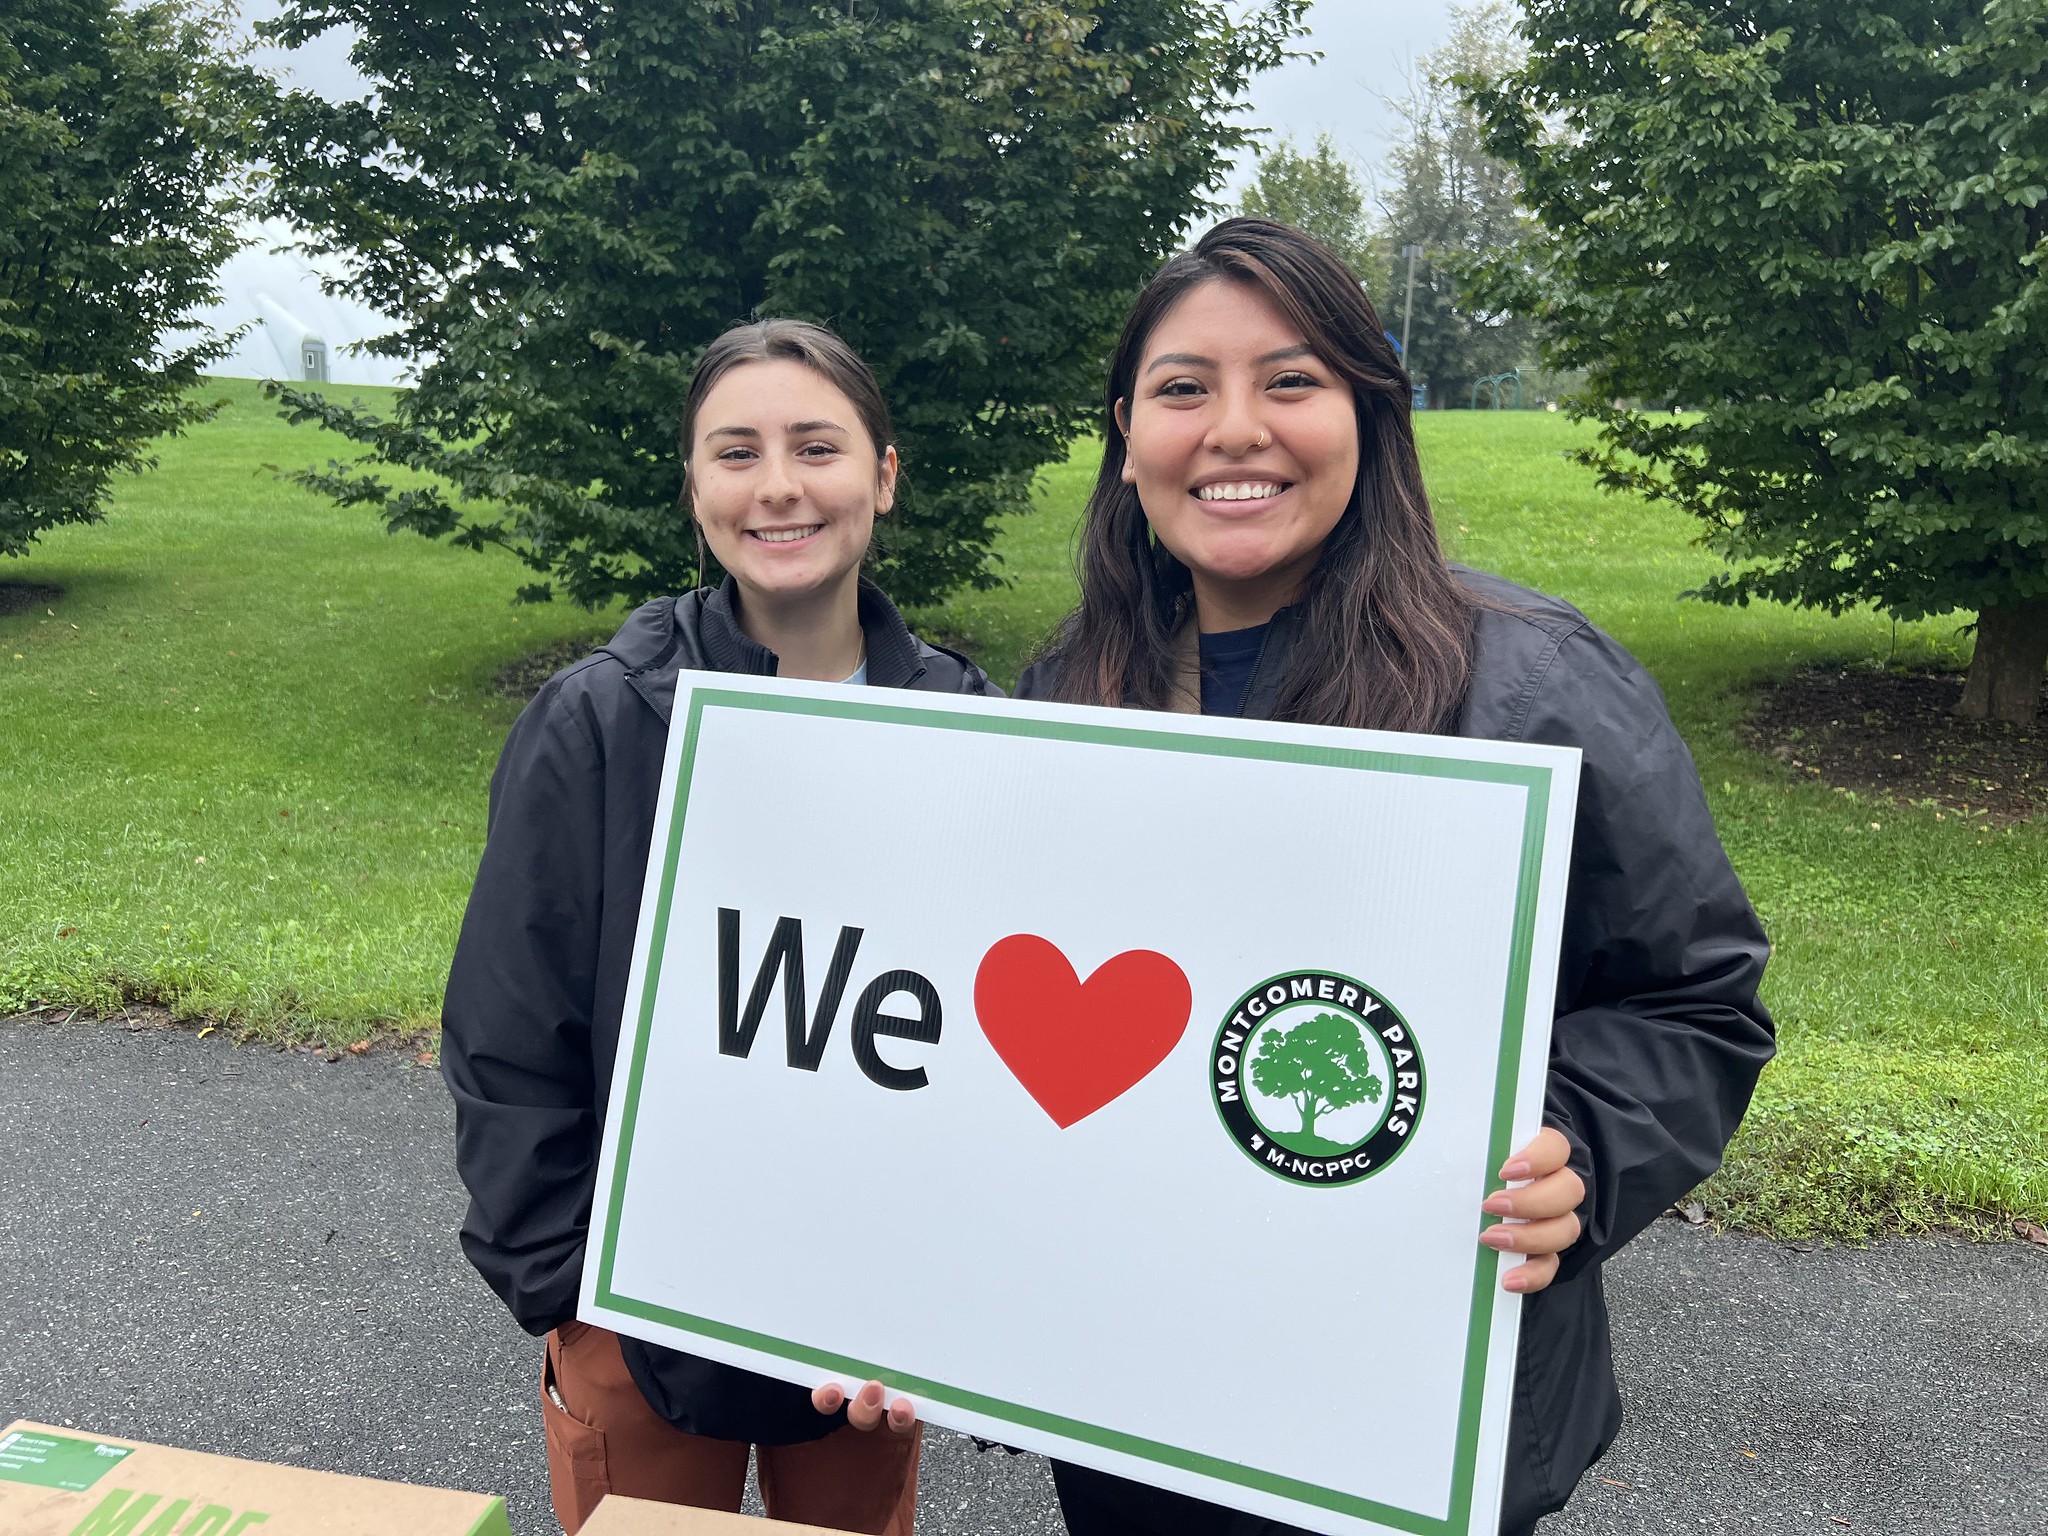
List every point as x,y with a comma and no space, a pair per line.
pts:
117,207
1447,194
1320,1066
1321,194
563,201
1827,227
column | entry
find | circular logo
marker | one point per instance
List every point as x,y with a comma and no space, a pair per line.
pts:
1317,1078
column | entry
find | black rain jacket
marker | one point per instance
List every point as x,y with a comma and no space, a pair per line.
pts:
530,1024
1658,1037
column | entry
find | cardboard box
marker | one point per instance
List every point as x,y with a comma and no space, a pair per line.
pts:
58,1482
616,1516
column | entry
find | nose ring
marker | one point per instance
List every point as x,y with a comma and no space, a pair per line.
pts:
1264,439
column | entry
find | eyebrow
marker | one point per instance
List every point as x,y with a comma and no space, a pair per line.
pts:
1194,360
795,428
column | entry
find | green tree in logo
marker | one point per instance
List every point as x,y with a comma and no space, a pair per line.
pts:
1320,1066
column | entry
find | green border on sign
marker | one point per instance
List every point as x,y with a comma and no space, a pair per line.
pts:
1534,780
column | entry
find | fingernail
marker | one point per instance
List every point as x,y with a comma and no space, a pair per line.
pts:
1515,1168
1497,1237
1513,1281
1501,1204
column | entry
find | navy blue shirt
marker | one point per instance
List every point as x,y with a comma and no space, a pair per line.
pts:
1227,660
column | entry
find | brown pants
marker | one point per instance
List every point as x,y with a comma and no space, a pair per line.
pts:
603,1438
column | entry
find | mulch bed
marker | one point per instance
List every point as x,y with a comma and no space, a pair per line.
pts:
1895,733
523,678
21,596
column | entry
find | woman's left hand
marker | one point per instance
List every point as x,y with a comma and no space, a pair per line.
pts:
1544,1212
864,1410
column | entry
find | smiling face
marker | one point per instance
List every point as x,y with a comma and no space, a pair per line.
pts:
785,482
1243,446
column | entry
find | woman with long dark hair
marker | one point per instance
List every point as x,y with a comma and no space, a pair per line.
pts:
788,460
1259,544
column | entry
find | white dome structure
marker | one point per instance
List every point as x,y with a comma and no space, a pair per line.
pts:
290,329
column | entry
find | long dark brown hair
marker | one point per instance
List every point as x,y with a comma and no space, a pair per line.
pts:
1384,636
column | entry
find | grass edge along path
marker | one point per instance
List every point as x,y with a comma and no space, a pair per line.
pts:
248,748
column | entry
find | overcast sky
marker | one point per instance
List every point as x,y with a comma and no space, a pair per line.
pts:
1368,48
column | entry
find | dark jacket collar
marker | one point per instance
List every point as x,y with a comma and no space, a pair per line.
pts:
891,648
700,630
725,646
895,659
1261,689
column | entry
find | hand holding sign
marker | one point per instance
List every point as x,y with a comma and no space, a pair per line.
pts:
864,1409
1543,1213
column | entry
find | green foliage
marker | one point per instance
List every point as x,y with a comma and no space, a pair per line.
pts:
1321,194
116,209
1447,194
563,202
1826,228
1000,627
1321,1065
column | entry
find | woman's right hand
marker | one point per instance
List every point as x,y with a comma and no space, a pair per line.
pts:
1542,1213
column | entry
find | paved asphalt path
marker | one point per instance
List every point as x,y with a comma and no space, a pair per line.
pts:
251,1251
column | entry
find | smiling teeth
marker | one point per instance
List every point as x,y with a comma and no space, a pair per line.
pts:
785,535
1238,490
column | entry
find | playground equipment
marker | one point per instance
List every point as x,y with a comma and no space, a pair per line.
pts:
1496,383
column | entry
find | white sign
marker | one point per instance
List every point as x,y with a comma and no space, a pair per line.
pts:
1118,1085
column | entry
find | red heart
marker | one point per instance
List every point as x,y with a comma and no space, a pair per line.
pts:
1077,1045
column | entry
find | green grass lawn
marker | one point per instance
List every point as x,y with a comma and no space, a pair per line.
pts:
246,758
246,755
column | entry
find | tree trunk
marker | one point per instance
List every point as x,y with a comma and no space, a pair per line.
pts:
1308,1107
2011,657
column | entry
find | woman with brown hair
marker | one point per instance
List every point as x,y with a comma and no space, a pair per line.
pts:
1259,544
788,460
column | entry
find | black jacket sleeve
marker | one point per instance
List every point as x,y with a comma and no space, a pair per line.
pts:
1659,1035
516,1022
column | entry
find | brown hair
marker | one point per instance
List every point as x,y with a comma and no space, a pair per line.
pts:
1384,638
795,341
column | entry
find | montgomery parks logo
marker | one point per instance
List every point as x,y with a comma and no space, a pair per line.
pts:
1317,1078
